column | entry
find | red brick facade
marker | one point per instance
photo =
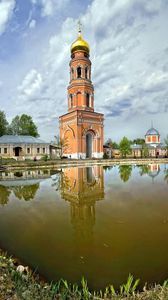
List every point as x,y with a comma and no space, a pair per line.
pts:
81,128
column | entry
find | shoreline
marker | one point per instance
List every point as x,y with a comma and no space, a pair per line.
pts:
19,282
55,164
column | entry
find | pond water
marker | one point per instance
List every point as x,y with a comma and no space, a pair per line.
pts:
98,222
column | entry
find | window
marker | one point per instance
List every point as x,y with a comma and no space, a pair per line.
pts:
5,150
71,100
86,73
87,99
72,73
79,72
38,150
43,150
28,150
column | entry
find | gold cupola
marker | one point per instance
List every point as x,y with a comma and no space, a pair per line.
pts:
80,43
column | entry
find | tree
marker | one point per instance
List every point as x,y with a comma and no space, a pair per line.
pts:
139,141
166,143
62,143
125,147
111,144
3,123
23,125
145,151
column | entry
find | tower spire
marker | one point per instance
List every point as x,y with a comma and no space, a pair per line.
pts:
79,27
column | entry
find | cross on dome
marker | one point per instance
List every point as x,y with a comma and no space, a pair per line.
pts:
79,26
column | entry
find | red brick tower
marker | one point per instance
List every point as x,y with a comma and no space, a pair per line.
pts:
81,129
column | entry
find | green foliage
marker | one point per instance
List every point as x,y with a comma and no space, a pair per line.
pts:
45,157
166,175
23,125
112,144
139,141
125,172
129,287
166,142
105,156
3,123
125,147
144,169
145,151
26,285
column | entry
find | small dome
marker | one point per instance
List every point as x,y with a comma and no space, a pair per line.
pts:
80,44
152,131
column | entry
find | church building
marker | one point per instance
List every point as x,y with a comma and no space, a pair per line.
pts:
81,128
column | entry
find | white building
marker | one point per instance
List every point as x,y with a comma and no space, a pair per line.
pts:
22,147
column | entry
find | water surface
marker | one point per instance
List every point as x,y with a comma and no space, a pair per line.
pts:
99,222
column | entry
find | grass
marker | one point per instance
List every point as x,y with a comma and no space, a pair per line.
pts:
25,285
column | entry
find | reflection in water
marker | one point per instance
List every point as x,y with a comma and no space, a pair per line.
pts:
82,187
166,175
24,184
4,194
144,169
70,233
18,174
107,168
152,170
25,174
26,192
125,172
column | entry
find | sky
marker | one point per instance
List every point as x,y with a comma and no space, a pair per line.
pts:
129,53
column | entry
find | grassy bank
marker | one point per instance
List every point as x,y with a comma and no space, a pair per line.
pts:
18,282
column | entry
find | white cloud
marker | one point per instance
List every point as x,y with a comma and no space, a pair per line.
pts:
6,10
128,41
49,7
32,24
31,85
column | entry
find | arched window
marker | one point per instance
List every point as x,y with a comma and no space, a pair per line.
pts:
79,72
86,73
71,100
87,100
72,73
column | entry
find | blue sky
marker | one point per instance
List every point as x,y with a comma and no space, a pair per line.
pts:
129,53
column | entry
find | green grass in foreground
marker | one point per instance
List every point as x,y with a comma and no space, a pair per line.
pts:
17,285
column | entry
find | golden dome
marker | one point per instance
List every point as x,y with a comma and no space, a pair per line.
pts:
80,44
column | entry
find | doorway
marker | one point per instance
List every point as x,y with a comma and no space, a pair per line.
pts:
88,145
17,151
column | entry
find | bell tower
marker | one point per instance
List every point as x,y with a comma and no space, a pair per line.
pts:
81,129
80,89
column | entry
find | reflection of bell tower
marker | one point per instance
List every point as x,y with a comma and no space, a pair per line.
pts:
82,187
81,128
